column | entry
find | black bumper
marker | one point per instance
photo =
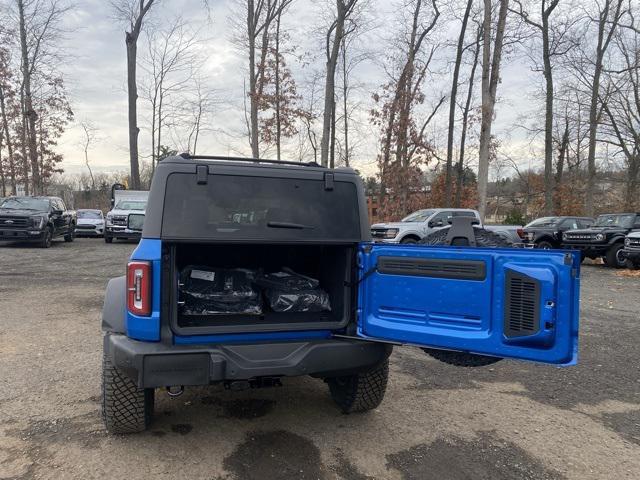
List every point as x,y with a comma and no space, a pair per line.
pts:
114,233
633,255
152,364
16,235
589,249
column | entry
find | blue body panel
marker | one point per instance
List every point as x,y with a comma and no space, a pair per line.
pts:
148,328
465,314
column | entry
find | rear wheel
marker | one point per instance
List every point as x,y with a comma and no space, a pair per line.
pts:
614,257
125,407
409,240
544,245
484,238
360,392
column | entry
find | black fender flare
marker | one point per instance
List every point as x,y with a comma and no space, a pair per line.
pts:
115,305
616,239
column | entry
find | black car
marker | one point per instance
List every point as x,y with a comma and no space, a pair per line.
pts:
36,219
546,232
605,238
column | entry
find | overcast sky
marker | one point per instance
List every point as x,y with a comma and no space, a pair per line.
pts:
96,79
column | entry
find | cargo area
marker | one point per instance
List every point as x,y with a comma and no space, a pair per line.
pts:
257,288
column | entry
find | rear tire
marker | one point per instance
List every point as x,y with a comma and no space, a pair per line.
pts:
614,258
544,245
125,407
107,238
484,238
360,392
409,240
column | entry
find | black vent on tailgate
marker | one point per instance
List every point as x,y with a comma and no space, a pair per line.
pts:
522,307
433,267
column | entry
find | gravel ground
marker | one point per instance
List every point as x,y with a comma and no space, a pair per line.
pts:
509,420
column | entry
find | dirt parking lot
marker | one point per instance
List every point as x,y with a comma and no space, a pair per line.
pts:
510,420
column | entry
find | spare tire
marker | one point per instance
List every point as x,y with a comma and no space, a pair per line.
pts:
484,238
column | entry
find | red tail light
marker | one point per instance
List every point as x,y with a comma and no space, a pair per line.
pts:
139,288
520,233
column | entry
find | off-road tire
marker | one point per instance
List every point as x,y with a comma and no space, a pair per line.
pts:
409,240
361,392
633,265
107,238
48,237
484,238
612,256
125,407
70,237
544,245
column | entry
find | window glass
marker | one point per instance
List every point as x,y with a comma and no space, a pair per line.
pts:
245,207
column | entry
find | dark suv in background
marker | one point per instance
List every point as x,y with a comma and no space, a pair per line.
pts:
546,232
605,238
36,219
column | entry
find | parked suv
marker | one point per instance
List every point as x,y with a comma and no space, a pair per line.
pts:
546,232
631,251
418,225
251,271
605,238
36,219
90,223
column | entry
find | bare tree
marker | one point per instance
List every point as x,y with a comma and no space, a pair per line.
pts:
490,76
452,104
466,109
608,18
550,47
89,137
337,31
170,63
260,16
133,13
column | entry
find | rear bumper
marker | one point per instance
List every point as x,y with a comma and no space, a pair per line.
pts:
19,235
152,364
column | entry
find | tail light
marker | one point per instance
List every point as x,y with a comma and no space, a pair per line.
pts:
139,288
520,233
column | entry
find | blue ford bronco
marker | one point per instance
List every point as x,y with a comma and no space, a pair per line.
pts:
249,271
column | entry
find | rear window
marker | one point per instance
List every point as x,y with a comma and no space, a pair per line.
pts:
233,207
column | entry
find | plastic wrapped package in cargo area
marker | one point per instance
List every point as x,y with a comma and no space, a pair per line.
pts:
211,291
288,291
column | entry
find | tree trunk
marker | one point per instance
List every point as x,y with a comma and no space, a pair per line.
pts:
562,154
332,156
490,76
277,86
23,145
329,89
465,121
29,112
452,106
548,122
132,92
345,93
8,141
603,44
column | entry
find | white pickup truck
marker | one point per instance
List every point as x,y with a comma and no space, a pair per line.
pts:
422,223
127,215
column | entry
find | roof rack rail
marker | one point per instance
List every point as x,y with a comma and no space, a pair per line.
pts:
188,156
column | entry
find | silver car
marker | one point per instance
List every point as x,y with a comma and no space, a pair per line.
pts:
90,223
415,227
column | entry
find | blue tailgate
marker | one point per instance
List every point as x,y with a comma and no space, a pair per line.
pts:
511,303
